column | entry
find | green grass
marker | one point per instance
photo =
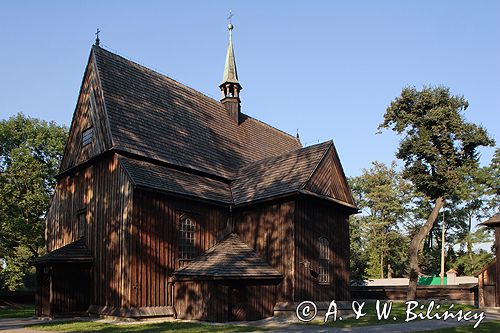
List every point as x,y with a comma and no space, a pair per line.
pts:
484,327
398,311
171,326
21,312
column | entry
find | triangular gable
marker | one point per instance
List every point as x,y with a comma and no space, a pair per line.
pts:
89,113
277,176
329,180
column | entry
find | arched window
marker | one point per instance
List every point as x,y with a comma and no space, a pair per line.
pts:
324,260
187,231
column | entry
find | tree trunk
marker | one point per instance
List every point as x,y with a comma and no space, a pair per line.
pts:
469,239
381,265
415,245
443,239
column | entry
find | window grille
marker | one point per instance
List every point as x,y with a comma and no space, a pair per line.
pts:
82,224
324,260
187,231
87,136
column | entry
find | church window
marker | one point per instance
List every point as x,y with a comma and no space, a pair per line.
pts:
87,136
187,232
324,260
82,223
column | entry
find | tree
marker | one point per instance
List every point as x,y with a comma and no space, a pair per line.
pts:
30,153
439,150
359,256
383,195
492,181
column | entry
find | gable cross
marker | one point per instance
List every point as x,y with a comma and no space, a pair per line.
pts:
97,40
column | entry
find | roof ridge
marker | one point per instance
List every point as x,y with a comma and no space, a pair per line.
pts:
190,88
157,72
281,155
274,128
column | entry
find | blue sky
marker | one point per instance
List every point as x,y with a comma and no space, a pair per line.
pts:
329,68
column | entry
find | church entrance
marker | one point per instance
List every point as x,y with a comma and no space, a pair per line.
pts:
237,303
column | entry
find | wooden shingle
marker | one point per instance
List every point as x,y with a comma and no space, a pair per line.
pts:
154,116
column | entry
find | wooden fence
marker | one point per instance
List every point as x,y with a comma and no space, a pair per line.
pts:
464,293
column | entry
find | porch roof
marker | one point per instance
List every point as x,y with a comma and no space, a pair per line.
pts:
228,260
76,251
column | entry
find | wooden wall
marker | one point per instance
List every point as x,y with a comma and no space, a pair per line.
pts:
269,230
201,300
214,300
464,293
260,301
497,246
154,248
105,194
314,219
70,288
487,280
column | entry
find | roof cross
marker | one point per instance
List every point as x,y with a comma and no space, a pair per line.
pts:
97,40
230,16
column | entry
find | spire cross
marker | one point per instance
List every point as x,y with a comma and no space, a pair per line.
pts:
97,40
230,16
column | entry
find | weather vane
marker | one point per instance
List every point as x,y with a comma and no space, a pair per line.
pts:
230,16
97,40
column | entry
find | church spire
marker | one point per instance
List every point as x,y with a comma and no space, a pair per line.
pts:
230,86
230,72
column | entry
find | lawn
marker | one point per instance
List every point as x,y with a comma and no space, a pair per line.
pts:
170,326
20,312
398,311
484,327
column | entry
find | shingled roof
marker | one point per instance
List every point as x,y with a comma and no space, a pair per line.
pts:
228,259
279,175
76,251
493,221
268,178
152,176
154,116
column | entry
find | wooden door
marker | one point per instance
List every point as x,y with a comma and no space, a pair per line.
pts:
45,292
489,295
237,303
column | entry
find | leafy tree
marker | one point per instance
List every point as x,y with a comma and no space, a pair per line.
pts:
359,255
30,153
439,150
469,264
382,194
492,181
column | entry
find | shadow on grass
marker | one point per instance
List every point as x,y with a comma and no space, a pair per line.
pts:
398,311
487,327
20,312
172,326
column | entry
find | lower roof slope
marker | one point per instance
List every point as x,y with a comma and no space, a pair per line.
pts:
152,176
265,179
493,221
229,259
76,251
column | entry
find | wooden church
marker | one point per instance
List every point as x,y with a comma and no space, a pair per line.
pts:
170,203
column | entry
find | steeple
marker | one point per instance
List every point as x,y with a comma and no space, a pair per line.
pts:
230,86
